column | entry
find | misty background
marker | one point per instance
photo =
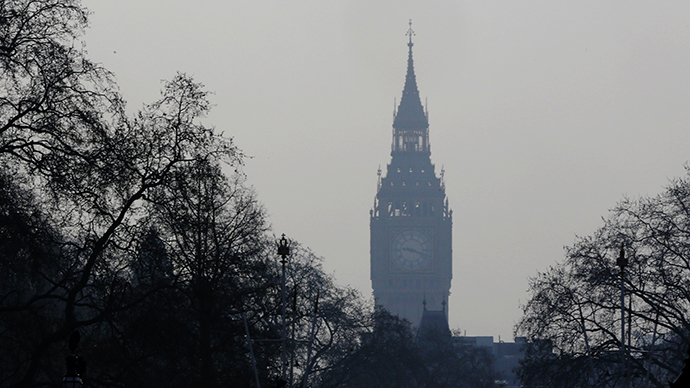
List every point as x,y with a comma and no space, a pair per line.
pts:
543,114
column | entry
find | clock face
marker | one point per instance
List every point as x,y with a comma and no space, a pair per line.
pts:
411,250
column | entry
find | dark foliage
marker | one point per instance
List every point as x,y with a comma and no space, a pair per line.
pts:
32,267
390,355
128,230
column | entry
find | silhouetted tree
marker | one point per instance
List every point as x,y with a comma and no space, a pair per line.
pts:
324,320
141,344
215,231
97,189
385,357
52,97
576,304
151,266
389,354
127,229
31,259
451,363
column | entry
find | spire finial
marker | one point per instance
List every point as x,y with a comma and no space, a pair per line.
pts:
410,113
410,33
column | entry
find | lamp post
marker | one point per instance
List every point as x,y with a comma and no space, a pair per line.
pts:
622,262
283,251
74,364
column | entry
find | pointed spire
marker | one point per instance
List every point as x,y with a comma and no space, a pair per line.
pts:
410,114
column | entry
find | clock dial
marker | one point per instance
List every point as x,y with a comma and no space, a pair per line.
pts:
411,250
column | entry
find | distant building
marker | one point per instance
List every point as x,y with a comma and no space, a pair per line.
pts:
411,235
507,354
411,223
434,324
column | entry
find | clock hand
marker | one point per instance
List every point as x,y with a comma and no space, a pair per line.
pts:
415,251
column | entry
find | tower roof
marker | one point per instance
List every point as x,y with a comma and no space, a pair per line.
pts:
434,324
410,114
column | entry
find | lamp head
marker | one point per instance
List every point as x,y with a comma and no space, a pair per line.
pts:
622,261
283,247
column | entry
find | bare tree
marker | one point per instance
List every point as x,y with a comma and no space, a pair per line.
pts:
81,181
215,231
52,97
325,321
98,186
576,304
389,354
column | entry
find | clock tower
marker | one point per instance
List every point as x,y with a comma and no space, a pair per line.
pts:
411,223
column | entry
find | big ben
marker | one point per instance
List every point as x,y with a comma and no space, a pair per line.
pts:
411,223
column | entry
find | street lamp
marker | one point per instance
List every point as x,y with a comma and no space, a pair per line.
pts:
283,251
622,262
74,363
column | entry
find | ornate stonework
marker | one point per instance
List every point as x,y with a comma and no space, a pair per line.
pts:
411,223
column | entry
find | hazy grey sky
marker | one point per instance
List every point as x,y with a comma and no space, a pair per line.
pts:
544,114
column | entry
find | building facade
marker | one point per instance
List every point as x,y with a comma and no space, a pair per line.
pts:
411,223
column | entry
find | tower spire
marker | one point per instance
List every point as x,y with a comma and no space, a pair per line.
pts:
410,121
